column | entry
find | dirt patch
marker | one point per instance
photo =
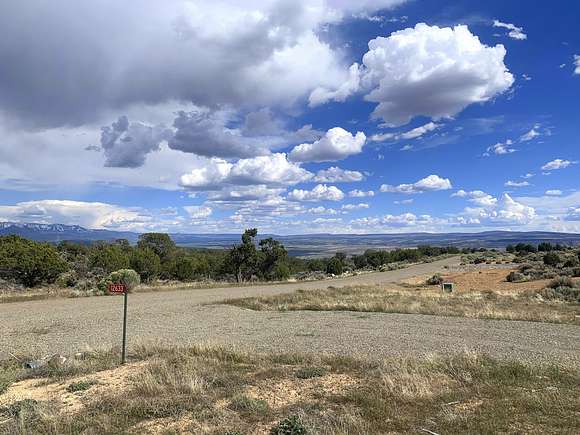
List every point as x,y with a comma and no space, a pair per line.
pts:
168,425
484,280
493,280
288,392
42,389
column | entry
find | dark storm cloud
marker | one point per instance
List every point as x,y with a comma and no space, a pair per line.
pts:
65,62
215,134
206,134
126,145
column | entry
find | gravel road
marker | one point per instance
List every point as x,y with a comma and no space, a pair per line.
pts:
181,316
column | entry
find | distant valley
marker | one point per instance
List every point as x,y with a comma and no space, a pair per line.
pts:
304,245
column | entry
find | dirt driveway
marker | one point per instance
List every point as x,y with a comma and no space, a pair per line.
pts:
69,325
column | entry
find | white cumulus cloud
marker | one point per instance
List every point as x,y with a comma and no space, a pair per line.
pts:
198,211
356,193
350,207
223,52
321,192
97,215
506,211
337,175
430,71
337,144
271,170
478,197
428,184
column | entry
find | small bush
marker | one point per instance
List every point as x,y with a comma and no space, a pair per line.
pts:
289,426
435,280
566,294
515,277
334,266
67,279
561,281
7,378
80,386
551,259
249,406
310,372
20,408
128,277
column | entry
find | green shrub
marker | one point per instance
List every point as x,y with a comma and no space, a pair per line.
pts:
108,257
310,372
282,271
436,279
334,266
67,279
561,281
29,263
181,268
80,386
161,244
146,263
289,426
515,277
248,405
20,408
567,294
128,277
551,259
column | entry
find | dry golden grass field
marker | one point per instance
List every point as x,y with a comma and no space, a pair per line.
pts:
482,294
211,390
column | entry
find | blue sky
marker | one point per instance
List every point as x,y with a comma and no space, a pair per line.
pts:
291,116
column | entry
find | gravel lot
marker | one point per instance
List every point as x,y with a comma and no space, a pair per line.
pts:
69,325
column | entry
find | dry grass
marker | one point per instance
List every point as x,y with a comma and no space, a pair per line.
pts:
420,300
214,391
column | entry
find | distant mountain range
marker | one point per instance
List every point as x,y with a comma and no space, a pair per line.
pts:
301,245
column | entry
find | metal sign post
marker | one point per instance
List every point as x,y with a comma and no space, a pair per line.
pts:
121,288
123,352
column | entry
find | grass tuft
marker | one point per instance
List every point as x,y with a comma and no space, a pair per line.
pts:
79,386
310,372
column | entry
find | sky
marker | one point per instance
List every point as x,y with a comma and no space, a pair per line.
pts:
291,116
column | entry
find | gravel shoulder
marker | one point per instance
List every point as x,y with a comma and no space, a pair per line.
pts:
181,317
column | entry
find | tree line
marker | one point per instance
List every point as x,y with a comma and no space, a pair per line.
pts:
157,257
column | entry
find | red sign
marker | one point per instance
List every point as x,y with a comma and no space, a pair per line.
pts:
117,288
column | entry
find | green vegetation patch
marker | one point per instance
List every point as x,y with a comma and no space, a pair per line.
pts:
80,386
